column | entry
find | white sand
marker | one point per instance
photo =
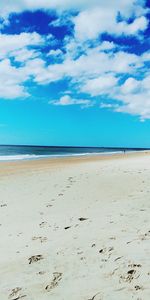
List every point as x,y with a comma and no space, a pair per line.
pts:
106,256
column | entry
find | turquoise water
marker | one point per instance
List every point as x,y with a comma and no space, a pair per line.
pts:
37,152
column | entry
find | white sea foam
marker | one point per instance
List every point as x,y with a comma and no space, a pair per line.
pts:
34,156
16,157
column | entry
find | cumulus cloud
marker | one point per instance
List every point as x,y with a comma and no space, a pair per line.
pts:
24,54
93,18
15,42
132,97
90,23
11,81
68,100
135,97
12,78
102,85
92,64
56,53
97,72
131,85
106,45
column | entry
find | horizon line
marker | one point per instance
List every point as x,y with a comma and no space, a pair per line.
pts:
67,146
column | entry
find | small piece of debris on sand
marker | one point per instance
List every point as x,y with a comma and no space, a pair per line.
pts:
82,219
67,227
94,297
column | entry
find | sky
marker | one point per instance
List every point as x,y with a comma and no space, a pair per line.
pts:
75,72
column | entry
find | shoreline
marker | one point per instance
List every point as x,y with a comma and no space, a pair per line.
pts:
24,165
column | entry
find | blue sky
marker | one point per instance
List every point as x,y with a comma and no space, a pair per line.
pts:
75,73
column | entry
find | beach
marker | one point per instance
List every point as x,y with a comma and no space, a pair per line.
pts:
75,228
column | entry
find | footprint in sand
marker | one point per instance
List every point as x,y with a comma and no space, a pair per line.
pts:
134,266
56,278
144,236
138,287
3,205
42,239
42,224
104,250
35,258
70,179
49,205
112,238
129,276
16,294
107,253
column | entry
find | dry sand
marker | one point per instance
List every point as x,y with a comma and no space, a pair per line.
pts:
75,229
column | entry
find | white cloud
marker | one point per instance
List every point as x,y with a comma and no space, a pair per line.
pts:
135,97
94,17
90,23
12,78
100,86
146,56
139,24
138,104
106,45
23,55
7,6
131,85
92,64
55,53
68,100
16,42
11,81
12,91
97,72
107,105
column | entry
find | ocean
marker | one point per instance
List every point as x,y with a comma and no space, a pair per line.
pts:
10,153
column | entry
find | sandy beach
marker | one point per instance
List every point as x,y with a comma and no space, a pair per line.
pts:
75,229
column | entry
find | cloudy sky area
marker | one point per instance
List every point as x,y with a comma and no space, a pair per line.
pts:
75,72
